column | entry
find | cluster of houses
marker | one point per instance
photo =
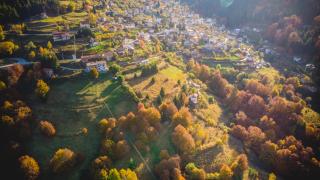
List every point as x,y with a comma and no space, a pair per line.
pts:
98,61
176,26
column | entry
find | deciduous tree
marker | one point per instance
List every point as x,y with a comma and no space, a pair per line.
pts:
29,167
42,89
183,140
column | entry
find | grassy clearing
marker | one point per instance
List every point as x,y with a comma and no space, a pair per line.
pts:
71,106
210,115
166,78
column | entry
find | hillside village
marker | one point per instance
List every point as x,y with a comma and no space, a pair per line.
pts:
142,89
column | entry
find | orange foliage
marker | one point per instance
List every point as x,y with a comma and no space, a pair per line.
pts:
183,140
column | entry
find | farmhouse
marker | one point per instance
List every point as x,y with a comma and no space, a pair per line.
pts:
85,24
101,66
61,36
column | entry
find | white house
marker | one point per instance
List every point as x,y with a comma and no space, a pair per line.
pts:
61,36
84,24
101,66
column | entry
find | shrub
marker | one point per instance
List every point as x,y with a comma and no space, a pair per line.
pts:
47,128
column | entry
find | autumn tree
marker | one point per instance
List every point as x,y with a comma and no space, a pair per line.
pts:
101,162
49,45
47,128
225,172
2,36
240,132
31,55
194,172
242,119
169,168
256,107
220,85
42,89
128,174
62,160
255,87
2,85
107,148
183,117
121,149
14,74
256,137
268,153
48,58
168,110
29,167
285,113
72,6
30,46
240,165
294,39
183,140
7,48
94,73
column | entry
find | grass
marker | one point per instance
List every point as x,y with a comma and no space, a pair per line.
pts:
225,58
166,78
210,115
71,106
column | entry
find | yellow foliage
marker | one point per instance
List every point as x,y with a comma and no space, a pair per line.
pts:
2,85
95,73
47,128
7,120
31,55
128,174
62,160
18,28
8,47
225,172
29,167
7,105
42,89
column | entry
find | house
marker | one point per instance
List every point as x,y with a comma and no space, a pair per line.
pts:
297,59
107,56
310,67
193,100
84,24
92,42
61,36
43,15
101,66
